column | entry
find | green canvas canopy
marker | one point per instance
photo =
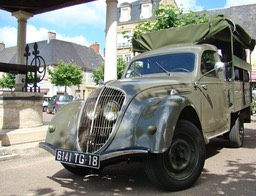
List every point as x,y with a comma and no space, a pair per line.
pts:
218,29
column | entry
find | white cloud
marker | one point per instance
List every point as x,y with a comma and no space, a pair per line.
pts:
189,5
230,3
79,39
35,35
8,35
84,14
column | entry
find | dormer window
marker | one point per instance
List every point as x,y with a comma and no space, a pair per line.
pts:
146,10
125,12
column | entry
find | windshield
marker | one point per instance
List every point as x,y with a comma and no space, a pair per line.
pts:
167,63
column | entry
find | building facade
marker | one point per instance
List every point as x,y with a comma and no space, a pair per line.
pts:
129,15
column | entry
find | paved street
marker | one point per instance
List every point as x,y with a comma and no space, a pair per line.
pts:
47,118
227,171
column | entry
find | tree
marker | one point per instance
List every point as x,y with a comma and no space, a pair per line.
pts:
7,81
167,16
98,73
66,74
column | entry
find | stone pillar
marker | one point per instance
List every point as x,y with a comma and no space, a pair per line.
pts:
110,72
22,18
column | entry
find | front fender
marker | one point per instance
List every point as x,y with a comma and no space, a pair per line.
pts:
62,130
157,122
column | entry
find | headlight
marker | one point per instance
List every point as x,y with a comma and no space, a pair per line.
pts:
111,111
92,112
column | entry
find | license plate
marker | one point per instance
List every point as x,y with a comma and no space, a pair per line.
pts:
78,158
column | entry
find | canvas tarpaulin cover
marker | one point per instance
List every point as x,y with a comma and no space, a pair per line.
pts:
218,28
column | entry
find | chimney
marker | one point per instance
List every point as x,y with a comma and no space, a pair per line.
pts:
2,46
96,47
51,35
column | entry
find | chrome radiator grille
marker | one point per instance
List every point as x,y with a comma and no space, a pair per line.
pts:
95,129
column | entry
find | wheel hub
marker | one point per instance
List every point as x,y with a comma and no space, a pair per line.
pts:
179,155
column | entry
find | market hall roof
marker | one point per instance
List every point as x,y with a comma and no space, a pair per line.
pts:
36,6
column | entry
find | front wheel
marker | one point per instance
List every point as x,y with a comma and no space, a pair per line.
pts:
180,166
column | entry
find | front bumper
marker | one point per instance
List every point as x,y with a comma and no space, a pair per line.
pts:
106,155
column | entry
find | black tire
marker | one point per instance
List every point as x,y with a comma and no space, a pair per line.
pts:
44,108
236,134
181,165
48,111
77,170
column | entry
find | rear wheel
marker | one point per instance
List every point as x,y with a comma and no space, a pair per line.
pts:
236,135
181,165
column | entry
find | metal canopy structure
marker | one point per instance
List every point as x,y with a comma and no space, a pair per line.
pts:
38,6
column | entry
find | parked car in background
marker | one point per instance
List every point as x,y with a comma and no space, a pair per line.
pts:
45,103
57,101
254,92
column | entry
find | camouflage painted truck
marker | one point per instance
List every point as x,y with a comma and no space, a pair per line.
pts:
172,99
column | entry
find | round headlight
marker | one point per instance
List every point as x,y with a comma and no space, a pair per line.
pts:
111,111
92,112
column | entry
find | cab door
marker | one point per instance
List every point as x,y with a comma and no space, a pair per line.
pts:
214,109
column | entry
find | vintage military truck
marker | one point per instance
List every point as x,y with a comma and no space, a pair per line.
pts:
171,100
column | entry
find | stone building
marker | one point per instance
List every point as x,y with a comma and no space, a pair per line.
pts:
129,15
53,50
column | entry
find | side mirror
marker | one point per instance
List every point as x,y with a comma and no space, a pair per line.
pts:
219,66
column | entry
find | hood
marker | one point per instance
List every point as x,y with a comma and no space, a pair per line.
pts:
133,86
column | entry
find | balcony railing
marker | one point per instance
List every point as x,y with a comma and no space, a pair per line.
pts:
124,45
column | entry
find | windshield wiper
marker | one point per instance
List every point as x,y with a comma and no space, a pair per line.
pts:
165,70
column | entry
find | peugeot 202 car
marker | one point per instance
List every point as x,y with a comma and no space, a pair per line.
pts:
168,104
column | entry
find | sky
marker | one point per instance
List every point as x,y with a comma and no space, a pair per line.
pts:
85,24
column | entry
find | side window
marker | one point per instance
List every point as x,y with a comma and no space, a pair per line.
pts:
208,62
241,75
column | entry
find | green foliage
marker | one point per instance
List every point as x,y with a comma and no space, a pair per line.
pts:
166,16
98,73
66,74
7,81
31,76
121,63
